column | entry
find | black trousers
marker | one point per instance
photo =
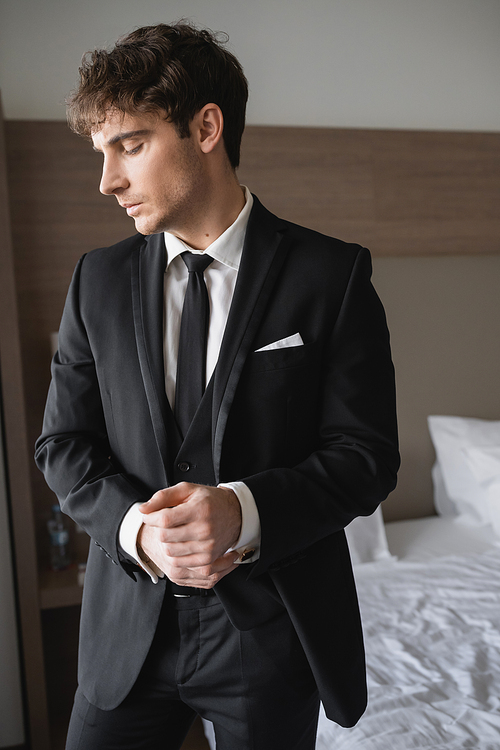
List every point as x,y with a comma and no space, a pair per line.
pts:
255,686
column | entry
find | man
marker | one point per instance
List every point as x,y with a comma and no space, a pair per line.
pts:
222,406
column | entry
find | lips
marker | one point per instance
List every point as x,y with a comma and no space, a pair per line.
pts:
131,208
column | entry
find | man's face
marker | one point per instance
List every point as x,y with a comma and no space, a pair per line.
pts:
153,173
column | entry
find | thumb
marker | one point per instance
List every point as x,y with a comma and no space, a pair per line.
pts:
167,498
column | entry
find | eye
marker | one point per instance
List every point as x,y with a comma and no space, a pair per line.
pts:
133,151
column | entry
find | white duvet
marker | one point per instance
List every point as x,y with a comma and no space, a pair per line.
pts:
432,633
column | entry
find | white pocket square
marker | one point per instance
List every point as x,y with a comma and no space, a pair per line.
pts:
295,340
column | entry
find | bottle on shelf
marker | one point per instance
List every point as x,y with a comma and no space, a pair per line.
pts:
59,540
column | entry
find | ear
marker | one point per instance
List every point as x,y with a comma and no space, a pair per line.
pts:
207,127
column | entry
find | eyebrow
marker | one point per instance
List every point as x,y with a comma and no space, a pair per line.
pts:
125,136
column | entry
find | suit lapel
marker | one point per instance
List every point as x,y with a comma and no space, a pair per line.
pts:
263,254
148,268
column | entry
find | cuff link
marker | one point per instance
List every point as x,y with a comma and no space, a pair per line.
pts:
246,555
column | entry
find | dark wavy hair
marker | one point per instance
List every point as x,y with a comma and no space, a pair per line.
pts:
173,69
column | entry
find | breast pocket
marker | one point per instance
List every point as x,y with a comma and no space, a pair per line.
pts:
272,418
279,359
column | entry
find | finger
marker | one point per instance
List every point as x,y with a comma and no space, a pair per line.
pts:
188,548
169,518
187,577
193,578
170,533
224,563
168,497
202,562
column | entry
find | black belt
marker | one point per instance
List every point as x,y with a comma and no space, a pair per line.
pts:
185,592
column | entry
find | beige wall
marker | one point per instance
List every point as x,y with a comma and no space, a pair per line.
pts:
444,318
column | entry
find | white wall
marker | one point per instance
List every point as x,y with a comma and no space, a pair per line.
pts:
425,64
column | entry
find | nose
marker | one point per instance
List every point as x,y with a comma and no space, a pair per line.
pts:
113,179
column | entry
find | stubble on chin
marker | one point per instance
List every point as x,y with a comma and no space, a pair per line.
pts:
178,208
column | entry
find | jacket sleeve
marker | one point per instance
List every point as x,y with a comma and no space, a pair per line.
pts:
73,450
355,459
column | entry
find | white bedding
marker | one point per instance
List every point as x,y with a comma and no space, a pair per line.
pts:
432,632
423,539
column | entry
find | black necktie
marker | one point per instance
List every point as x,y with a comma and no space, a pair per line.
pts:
192,355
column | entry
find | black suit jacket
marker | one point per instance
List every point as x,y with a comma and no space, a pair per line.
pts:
310,429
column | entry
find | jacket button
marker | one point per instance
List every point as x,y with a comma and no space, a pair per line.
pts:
183,466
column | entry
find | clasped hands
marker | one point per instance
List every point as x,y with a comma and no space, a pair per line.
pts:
187,531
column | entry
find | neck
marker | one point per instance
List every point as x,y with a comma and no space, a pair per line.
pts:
221,208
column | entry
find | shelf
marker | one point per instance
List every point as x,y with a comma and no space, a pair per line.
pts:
60,588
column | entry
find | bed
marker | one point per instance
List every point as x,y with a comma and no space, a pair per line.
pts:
429,592
432,633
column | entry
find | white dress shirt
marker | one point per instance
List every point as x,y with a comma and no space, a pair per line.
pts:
220,279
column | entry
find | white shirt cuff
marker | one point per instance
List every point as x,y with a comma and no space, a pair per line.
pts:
248,543
127,537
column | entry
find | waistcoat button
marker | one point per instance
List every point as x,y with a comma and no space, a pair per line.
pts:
183,466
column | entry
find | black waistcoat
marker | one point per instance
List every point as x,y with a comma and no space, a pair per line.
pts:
194,461
246,601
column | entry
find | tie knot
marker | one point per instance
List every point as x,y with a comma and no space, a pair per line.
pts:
196,263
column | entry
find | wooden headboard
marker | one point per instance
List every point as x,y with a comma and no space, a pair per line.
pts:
425,203
396,192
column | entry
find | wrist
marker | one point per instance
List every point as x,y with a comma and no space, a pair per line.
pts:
140,549
237,514
248,541
145,561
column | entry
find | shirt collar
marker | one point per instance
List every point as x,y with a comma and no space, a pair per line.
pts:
227,248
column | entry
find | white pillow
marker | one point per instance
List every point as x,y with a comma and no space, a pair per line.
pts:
367,540
452,438
442,502
485,465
